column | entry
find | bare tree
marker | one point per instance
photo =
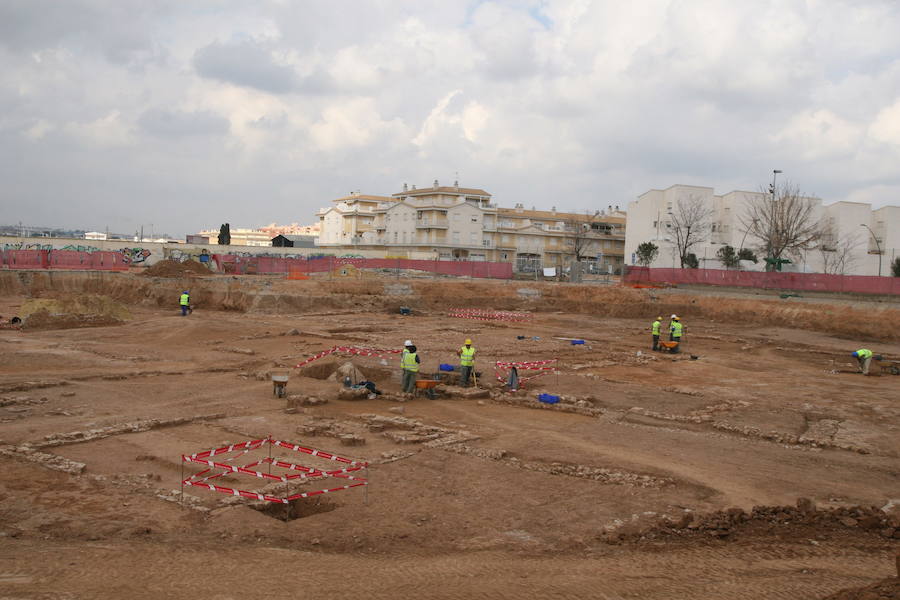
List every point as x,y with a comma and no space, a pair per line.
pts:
691,223
582,235
837,253
784,223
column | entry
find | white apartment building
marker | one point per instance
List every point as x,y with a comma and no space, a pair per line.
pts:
454,223
650,220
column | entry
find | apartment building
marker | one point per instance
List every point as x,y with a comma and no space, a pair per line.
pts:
241,236
847,246
455,223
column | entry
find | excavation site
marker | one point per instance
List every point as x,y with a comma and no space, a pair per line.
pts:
261,444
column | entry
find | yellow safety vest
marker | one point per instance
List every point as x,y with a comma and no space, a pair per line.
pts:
185,299
676,329
408,362
467,356
655,327
863,353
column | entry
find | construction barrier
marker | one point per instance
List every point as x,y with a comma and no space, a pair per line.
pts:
488,315
295,268
348,350
63,260
221,467
539,366
809,282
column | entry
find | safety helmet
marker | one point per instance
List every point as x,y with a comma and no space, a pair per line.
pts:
674,316
856,354
184,292
659,318
468,342
408,343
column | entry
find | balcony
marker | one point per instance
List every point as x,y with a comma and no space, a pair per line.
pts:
432,224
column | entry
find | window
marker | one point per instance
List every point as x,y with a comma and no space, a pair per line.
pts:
395,237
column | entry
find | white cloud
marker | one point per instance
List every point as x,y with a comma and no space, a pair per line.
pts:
110,130
818,134
582,104
886,126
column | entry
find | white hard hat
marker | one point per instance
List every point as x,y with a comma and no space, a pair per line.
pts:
674,316
408,343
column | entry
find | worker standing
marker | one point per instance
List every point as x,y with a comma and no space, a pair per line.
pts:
466,356
676,328
185,303
864,358
409,362
654,330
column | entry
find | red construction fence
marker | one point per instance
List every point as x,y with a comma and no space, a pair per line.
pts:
809,282
63,259
265,265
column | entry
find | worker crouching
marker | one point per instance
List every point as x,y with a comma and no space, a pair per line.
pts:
409,363
864,359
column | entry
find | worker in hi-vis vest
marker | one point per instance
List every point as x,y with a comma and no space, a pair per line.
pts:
409,362
466,356
864,358
654,331
185,303
676,328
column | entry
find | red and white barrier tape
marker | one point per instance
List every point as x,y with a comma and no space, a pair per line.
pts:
245,447
534,365
349,350
488,315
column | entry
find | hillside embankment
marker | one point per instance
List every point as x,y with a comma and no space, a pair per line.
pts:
266,295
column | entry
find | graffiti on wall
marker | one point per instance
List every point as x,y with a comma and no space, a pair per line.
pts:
200,255
80,248
24,246
135,256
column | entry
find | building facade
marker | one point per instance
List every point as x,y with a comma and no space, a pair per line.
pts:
241,236
454,223
846,246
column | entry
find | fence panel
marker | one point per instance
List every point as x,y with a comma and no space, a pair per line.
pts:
810,282
230,263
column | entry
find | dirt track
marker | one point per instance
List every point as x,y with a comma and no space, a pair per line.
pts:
511,498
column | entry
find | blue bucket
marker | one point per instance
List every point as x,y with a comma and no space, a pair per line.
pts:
548,398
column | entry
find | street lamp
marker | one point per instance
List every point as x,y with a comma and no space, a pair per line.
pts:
772,190
877,245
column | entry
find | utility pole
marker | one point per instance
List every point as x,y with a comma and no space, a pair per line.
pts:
877,245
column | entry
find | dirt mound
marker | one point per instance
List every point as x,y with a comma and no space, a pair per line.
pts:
86,310
887,589
171,268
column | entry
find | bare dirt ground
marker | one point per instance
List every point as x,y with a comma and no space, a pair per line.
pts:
656,476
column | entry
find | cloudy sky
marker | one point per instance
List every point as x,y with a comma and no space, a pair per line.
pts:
123,113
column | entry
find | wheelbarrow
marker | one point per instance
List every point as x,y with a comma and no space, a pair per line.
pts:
669,347
428,386
279,383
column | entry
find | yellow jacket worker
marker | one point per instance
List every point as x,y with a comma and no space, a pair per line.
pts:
409,363
466,356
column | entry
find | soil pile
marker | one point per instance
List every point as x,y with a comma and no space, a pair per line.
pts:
72,312
171,268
